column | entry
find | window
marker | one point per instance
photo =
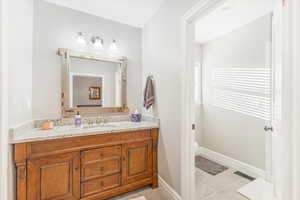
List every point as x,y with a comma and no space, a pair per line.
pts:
244,90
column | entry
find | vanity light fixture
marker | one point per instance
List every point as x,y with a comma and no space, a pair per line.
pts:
81,40
86,40
114,47
97,42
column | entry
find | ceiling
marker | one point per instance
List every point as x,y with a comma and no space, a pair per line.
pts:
132,12
231,15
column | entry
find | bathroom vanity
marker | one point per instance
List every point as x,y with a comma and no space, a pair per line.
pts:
90,165
106,155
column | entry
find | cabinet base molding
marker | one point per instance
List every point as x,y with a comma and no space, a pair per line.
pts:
120,190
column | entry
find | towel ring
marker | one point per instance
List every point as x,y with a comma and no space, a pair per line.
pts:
150,76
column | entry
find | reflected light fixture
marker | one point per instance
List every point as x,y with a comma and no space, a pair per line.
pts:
113,47
81,40
226,8
97,42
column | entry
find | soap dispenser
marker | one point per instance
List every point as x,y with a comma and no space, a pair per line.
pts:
77,120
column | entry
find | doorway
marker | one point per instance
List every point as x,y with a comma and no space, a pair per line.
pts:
236,94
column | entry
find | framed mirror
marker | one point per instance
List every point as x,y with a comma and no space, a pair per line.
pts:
92,84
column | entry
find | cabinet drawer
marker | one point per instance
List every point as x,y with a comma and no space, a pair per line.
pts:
99,185
101,154
100,168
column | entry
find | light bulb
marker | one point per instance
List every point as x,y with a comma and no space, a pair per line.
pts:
113,47
80,39
97,42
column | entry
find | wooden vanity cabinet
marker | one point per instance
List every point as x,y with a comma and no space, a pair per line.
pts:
54,177
87,167
137,163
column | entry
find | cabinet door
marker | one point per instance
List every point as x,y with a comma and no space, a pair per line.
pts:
137,161
54,177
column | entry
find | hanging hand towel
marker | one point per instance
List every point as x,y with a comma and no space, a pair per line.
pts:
149,93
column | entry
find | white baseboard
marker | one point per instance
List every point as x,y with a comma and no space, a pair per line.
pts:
232,163
168,190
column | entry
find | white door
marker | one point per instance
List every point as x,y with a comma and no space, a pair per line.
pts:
273,126
275,136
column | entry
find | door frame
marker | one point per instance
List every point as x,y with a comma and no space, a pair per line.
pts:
187,139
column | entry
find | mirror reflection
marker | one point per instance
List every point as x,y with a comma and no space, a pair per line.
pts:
95,83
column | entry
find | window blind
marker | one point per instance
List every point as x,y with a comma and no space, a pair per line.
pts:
244,90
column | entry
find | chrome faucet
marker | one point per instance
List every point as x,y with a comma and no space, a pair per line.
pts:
90,122
58,122
100,120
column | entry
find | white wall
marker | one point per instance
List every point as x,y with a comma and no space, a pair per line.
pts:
56,27
20,61
162,57
20,45
16,80
231,133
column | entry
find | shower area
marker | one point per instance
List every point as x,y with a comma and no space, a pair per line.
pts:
233,103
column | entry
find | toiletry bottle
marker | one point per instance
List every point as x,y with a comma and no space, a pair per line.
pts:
78,120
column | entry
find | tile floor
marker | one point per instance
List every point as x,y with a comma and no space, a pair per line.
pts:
147,192
223,186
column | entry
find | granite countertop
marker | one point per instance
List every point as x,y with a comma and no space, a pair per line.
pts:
30,134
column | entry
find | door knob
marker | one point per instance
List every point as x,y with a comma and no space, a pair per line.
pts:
193,127
268,128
